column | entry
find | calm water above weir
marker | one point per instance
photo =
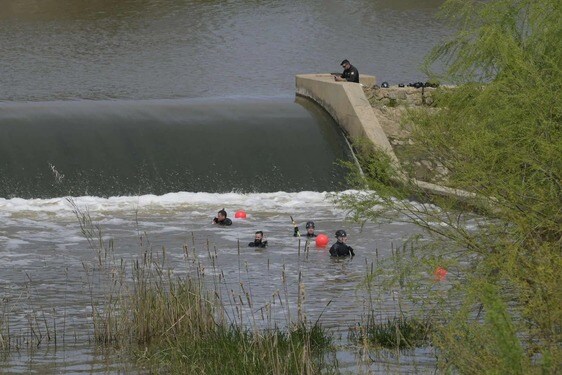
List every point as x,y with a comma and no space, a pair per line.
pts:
127,105
155,49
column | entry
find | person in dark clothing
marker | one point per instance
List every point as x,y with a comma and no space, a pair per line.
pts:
340,249
258,240
221,219
350,73
309,230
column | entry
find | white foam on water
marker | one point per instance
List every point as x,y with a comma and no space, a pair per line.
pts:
13,244
181,200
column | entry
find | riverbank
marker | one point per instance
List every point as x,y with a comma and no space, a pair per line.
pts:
347,103
391,107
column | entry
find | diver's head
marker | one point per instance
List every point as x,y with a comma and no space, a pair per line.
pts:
341,235
221,215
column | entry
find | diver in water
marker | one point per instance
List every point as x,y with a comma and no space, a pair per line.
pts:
340,249
309,230
258,240
221,219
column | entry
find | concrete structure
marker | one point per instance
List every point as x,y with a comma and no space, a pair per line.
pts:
347,104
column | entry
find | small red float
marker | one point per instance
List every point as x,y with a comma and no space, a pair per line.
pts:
440,273
240,214
322,240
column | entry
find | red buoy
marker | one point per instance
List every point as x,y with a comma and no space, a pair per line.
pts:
240,214
440,273
322,240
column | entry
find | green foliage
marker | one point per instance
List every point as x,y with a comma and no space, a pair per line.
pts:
376,164
171,324
376,173
496,39
313,336
487,344
499,134
235,350
398,332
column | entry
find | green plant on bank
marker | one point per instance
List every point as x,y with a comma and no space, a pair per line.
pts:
414,298
398,332
181,324
235,350
178,330
376,168
499,134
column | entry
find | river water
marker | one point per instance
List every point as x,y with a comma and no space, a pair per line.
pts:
153,115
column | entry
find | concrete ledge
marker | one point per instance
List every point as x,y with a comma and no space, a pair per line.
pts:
347,104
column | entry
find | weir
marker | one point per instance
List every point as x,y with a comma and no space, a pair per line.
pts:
347,104
111,148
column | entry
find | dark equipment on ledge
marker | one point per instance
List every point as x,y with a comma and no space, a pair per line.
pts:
417,85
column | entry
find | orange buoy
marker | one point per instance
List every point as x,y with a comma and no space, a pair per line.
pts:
322,240
240,214
440,273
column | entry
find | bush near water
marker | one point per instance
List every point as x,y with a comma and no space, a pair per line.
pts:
498,135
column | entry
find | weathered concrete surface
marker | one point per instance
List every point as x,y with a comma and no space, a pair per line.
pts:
347,104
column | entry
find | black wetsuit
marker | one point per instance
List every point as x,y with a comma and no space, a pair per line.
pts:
351,74
225,222
258,243
339,249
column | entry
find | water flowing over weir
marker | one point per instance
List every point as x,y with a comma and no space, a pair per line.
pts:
156,147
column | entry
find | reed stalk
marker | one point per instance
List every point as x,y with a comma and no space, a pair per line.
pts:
196,323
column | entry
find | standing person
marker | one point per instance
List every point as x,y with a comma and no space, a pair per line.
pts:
221,219
340,249
258,240
350,73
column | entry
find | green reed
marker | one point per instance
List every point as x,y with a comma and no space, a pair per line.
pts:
26,326
191,319
184,321
398,332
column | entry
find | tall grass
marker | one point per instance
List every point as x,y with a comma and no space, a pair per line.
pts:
25,326
176,322
191,319
395,333
399,312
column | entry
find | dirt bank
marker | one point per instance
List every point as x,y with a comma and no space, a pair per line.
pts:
391,107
